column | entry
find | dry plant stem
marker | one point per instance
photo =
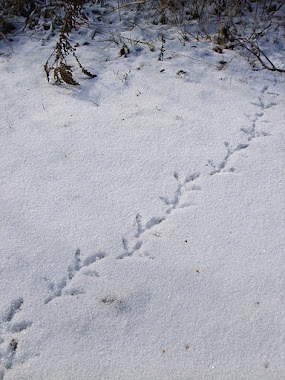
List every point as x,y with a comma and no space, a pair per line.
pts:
277,9
162,50
123,6
62,72
200,12
6,39
194,59
192,35
256,8
259,54
150,45
30,18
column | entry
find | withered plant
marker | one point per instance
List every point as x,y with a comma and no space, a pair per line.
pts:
62,71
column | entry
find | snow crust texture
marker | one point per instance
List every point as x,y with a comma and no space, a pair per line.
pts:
142,215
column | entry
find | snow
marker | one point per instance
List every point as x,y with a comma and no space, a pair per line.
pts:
142,214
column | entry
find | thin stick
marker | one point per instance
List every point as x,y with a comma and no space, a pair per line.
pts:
123,6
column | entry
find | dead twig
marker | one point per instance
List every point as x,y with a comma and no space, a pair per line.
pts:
253,48
123,6
6,39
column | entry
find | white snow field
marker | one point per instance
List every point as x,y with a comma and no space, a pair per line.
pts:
142,212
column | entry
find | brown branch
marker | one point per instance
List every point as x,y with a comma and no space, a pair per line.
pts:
254,49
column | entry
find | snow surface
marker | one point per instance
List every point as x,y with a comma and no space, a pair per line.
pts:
142,214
